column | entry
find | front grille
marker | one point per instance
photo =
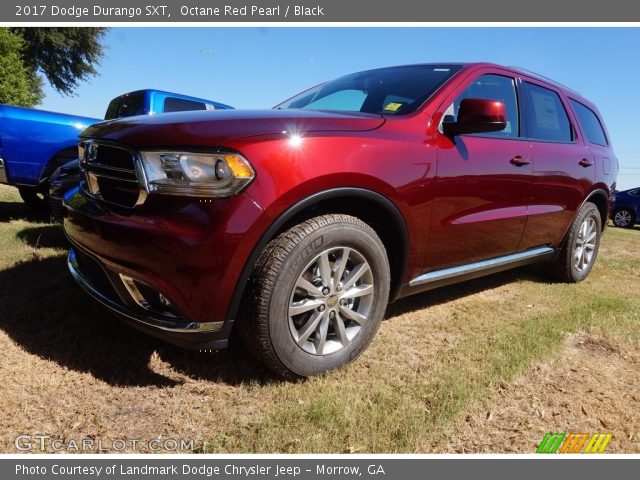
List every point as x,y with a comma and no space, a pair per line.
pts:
110,174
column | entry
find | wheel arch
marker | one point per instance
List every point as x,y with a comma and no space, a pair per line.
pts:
386,220
600,198
59,158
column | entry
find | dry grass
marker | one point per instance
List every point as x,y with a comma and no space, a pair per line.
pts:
470,368
592,386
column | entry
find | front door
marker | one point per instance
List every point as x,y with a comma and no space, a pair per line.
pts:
482,184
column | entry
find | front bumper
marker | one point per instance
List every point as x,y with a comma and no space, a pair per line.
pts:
185,252
176,330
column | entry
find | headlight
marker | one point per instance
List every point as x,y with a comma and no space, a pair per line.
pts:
196,174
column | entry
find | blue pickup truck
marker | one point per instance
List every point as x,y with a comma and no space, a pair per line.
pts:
34,143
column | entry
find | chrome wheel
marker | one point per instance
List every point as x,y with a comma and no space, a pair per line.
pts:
622,218
331,301
585,244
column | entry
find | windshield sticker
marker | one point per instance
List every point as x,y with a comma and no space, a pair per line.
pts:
392,107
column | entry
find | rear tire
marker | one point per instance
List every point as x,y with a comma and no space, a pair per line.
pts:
624,218
316,297
35,197
579,253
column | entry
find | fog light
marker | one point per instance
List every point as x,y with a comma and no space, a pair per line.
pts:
132,288
147,297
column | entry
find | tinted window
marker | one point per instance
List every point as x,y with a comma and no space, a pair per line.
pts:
172,104
349,100
548,120
590,123
391,91
492,87
126,106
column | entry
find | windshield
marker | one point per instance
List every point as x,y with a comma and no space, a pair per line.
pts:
390,91
126,106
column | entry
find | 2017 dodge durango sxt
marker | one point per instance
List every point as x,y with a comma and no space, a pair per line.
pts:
298,225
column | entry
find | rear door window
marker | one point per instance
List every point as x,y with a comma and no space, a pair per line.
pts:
547,118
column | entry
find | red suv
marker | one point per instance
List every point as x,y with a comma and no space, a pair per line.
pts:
299,224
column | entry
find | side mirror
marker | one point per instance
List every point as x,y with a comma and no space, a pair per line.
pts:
477,115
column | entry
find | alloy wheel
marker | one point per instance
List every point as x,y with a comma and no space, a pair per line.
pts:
331,301
585,244
622,218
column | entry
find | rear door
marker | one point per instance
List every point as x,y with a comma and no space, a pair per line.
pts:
482,182
597,141
563,165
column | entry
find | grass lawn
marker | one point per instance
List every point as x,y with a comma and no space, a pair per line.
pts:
490,365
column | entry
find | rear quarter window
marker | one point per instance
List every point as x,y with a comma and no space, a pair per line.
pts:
590,123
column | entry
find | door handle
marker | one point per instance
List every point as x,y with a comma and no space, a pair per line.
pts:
518,161
585,163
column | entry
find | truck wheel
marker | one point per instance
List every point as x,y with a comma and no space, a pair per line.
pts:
35,197
576,259
317,296
624,218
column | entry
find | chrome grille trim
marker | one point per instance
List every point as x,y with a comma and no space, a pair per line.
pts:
112,183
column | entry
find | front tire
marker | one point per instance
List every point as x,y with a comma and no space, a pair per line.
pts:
577,257
317,296
624,218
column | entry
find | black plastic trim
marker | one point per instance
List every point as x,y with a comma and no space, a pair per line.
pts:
292,211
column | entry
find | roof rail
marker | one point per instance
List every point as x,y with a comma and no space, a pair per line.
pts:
547,79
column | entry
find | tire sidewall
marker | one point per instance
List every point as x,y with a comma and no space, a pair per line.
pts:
589,210
330,236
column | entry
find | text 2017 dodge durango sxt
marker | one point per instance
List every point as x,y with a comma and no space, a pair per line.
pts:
297,225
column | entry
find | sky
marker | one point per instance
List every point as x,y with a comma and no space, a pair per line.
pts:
257,67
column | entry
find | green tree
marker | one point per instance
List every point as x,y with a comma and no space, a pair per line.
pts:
19,85
65,55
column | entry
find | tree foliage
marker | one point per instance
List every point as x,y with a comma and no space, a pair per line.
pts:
19,84
65,55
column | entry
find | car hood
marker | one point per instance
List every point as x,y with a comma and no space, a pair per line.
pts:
214,128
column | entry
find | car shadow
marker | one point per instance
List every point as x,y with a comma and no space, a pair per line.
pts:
636,227
450,293
47,314
46,236
20,211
